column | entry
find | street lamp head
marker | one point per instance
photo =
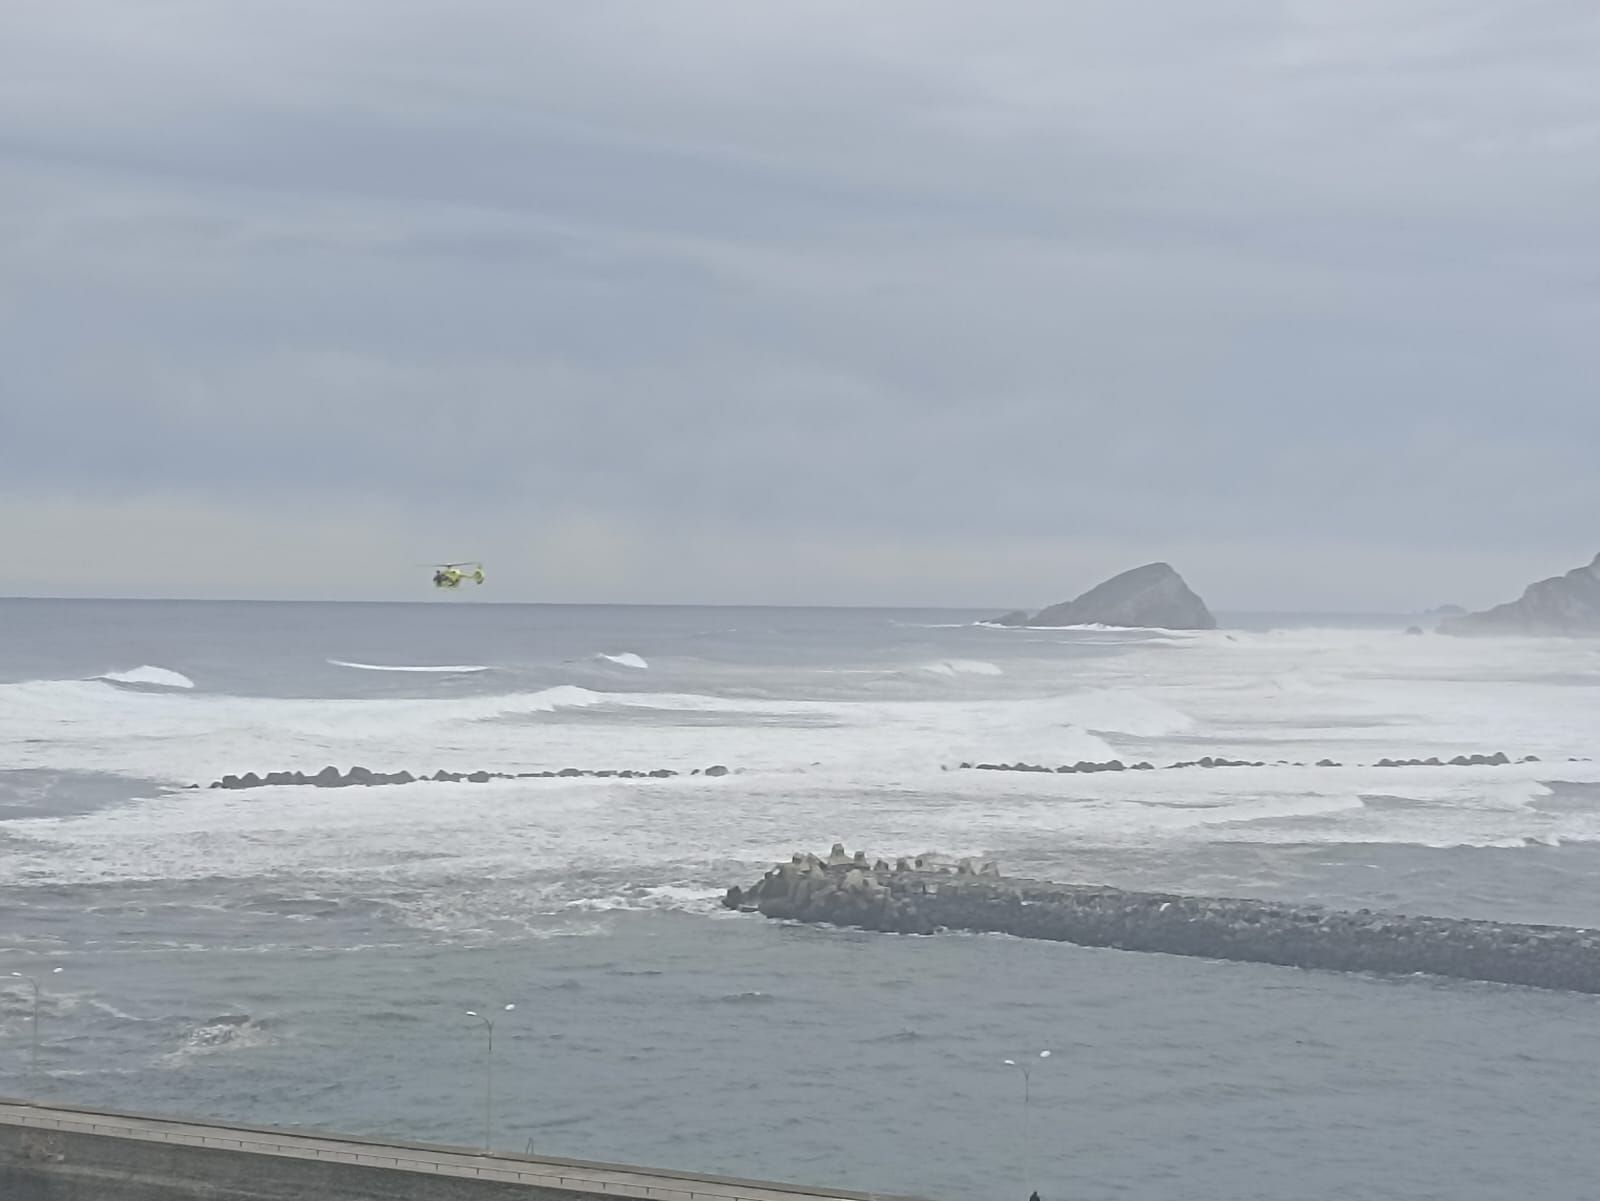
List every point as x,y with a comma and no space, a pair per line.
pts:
1011,1062
54,970
472,1013
1044,1054
509,1008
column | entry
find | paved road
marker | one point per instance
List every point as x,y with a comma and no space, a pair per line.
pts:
607,1179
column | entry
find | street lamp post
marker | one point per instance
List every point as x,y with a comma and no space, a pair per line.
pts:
488,1075
1027,1096
33,1059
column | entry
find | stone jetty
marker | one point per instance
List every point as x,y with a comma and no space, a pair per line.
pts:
361,777
1498,759
915,897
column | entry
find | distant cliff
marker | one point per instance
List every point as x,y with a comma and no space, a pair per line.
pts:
1565,604
1152,596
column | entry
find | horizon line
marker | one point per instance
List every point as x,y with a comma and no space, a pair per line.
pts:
997,609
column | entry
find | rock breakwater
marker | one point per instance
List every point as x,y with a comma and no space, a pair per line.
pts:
357,777
913,897
1498,759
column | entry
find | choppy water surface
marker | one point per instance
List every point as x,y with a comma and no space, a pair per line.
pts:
301,955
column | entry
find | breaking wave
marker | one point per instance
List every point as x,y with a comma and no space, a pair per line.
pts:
159,677
626,659
962,667
1123,712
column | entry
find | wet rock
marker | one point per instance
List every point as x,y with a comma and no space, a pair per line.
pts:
716,769
923,900
478,777
328,777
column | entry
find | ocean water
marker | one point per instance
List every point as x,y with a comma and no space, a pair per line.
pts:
297,955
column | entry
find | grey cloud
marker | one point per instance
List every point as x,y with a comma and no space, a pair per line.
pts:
1316,280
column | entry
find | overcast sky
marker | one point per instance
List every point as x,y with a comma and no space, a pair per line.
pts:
822,302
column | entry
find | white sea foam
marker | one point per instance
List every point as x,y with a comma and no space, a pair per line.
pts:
453,669
962,667
160,677
1123,711
626,659
864,767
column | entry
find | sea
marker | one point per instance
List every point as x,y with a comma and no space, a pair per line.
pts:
298,956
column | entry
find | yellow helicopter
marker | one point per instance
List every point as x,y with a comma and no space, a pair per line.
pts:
451,575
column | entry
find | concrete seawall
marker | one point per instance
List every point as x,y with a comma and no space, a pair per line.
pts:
904,899
64,1153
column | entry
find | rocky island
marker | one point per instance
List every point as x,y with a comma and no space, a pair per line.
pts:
1153,596
1565,604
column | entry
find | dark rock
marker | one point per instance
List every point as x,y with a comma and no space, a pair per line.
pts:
716,769
279,777
569,772
1567,604
662,773
478,777
923,901
1150,596
328,777
229,782
358,775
